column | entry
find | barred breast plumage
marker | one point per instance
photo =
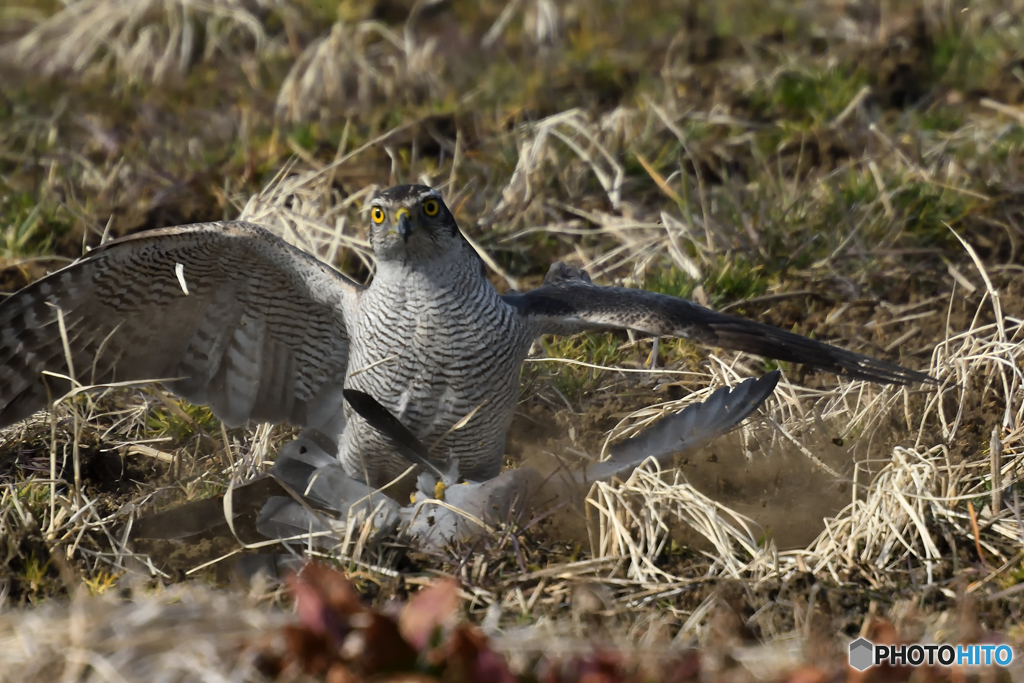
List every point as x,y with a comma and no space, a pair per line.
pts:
437,345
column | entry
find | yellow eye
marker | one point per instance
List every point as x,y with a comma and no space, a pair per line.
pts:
431,207
377,215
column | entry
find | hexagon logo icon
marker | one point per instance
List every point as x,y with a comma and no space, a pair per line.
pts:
862,653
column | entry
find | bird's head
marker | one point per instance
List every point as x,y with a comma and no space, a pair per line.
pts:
411,223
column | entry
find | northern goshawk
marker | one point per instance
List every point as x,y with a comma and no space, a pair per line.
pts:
229,315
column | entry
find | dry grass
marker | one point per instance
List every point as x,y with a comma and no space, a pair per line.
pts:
357,66
143,41
891,532
182,633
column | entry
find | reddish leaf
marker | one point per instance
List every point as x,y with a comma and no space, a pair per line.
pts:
467,656
807,674
384,648
339,673
882,632
323,598
431,608
686,668
311,652
603,666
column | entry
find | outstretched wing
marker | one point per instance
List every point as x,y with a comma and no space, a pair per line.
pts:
226,313
693,427
568,303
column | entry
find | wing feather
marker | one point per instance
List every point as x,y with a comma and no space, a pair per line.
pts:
226,314
568,303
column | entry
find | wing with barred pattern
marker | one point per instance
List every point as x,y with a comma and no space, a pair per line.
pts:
568,303
225,314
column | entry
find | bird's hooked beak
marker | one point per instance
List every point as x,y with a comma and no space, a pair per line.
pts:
403,220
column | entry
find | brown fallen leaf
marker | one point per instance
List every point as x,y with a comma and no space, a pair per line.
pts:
430,609
466,655
807,674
